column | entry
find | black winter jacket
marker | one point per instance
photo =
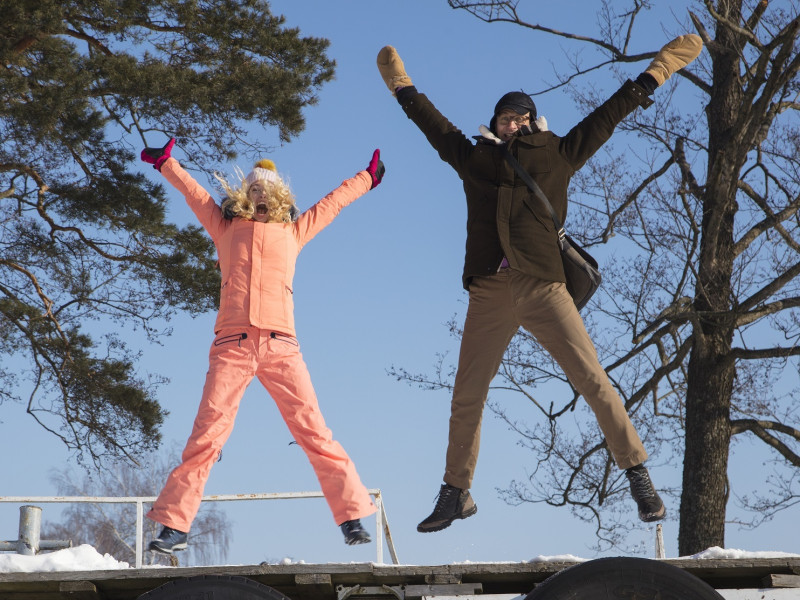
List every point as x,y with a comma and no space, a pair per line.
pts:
503,217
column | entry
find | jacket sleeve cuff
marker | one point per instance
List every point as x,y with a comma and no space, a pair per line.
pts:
405,94
638,92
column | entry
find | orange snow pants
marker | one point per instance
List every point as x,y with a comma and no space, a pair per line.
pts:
236,356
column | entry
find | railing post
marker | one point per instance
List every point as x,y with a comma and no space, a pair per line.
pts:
30,526
379,527
660,553
139,533
29,542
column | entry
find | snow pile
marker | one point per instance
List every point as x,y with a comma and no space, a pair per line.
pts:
558,558
717,552
288,561
80,558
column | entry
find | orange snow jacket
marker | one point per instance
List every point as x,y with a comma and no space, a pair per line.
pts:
257,260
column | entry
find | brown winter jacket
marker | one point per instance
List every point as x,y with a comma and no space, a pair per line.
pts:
503,217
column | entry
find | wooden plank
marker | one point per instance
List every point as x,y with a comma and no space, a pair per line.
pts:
318,584
779,580
442,578
79,590
736,573
450,589
319,581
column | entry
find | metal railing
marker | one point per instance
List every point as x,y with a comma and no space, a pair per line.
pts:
381,522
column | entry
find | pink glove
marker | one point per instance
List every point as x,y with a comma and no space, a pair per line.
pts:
157,156
376,169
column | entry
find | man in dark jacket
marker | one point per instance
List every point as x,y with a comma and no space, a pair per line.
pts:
513,269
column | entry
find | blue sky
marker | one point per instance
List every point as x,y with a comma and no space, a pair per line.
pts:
376,289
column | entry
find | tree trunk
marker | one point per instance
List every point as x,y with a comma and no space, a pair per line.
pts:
710,379
705,489
711,371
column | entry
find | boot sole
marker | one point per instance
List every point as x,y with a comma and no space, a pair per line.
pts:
657,516
357,540
176,547
447,524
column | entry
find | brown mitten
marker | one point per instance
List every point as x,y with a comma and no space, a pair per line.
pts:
674,56
392,70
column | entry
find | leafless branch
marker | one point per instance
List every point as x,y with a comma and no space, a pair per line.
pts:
761,430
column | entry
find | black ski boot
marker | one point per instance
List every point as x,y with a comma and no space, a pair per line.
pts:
453,503
651,508
354,533
168,541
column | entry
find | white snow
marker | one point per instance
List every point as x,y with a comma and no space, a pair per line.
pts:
80,558
717,552
86,558
558,558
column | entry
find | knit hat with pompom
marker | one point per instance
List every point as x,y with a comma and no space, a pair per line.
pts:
263,170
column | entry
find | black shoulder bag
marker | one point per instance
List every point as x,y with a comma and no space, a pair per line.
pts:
580,268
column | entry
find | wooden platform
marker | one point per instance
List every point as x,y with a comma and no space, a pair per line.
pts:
337,581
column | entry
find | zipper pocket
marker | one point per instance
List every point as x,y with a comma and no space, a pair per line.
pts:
231,338
283,338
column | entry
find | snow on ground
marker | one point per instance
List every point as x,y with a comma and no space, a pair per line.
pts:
717,552
86,558
80,558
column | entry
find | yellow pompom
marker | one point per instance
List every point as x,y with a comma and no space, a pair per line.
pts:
265,163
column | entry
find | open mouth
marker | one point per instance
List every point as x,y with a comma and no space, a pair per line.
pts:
261,208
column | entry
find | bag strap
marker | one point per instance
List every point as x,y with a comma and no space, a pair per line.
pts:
537,191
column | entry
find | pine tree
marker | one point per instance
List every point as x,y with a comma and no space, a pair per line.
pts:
85,247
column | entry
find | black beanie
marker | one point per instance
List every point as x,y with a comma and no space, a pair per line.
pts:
519,102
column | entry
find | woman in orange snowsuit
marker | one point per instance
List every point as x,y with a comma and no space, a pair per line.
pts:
258,236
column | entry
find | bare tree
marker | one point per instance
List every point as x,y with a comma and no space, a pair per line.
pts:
111,528
698,316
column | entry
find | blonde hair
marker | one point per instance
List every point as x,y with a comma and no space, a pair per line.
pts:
280,200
